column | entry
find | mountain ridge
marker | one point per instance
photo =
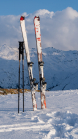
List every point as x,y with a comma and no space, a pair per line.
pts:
60,68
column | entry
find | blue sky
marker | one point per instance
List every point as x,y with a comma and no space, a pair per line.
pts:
58,29
17,7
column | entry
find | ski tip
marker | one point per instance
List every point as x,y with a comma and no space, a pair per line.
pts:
22,18
37,18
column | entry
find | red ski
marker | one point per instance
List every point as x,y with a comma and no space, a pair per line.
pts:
40,61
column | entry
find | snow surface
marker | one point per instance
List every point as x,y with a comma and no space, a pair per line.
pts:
60,68
59,120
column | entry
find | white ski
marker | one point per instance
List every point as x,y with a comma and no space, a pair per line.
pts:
33,85
40,61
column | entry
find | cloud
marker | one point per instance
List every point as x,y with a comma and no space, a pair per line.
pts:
58,30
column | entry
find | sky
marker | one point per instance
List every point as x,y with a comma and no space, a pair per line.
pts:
58,23
16,7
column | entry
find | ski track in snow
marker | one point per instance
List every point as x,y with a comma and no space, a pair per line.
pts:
7,128
63,125
55,122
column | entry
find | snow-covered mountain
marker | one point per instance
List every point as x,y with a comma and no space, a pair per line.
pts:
60,68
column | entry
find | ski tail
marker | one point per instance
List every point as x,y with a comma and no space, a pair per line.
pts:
33,85
40,61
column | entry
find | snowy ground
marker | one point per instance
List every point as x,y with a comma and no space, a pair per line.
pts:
59,120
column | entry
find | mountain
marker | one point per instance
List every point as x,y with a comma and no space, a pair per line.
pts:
60,68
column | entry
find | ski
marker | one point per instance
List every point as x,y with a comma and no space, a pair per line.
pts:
40,61
33,85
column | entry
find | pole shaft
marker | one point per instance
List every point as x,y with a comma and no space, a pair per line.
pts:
21,52
23,75
19,85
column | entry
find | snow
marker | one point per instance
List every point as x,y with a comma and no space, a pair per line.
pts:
59,120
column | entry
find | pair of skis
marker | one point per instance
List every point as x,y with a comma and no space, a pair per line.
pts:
33,85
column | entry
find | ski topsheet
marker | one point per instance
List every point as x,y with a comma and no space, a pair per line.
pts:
40,61
33,85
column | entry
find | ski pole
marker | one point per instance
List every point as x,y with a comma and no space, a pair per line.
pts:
19,80
23,71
